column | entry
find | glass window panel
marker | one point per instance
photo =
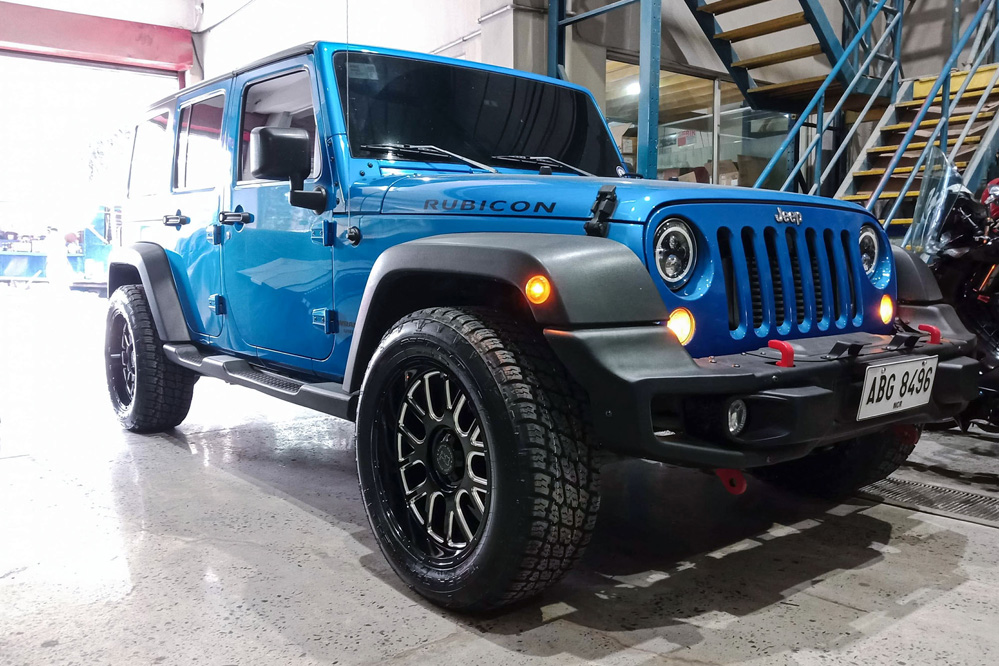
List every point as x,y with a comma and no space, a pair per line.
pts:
199,155
150,157
285,101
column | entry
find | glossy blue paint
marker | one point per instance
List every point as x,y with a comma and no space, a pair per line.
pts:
274,275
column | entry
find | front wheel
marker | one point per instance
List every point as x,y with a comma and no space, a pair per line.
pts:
148,392
476,465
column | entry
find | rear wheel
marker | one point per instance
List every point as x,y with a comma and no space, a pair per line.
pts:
148,392
843,468
475,463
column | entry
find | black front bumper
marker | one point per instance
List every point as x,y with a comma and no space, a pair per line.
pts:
651,400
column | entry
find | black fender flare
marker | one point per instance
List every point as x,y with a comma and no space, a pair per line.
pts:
916,282
595,281
148,264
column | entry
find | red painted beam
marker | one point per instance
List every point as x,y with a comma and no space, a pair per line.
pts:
34,30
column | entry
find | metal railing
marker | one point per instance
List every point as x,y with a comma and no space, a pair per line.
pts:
884,50
984,25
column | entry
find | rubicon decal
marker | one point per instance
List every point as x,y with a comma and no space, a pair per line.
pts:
496,206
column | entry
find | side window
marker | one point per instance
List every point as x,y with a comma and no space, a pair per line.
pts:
285,101
150,157
199,147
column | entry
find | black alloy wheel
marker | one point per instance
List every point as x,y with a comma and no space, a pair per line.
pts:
476,464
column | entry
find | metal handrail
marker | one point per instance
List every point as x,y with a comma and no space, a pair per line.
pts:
937,131
819,98
924,109
839,106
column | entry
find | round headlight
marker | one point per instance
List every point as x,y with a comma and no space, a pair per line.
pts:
676,252
869,249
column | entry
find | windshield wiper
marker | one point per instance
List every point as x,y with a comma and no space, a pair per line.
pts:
425,150
543,160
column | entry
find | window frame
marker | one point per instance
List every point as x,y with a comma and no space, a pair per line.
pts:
153,113
186,104
317,158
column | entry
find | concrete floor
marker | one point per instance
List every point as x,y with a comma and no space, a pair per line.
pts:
239,538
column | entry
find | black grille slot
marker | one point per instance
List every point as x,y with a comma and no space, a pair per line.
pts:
770,237
791,235
848,250
755,291
725,249
833,272
820,304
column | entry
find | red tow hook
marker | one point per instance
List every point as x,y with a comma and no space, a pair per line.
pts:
786,353
907,434
733,480
933,331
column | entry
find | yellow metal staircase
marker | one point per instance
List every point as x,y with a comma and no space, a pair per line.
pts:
870,166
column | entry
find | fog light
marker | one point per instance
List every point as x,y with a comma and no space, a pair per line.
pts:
538,289
887,309
737,412
681,322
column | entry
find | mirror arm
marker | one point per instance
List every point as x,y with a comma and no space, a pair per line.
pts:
314,200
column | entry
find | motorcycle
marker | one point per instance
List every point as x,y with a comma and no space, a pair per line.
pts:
958,238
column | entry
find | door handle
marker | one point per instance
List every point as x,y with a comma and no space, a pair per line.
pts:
176,220
234,217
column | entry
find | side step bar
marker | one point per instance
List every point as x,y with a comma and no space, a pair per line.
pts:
327,397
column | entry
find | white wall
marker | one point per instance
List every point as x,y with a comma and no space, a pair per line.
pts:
456,28
171,13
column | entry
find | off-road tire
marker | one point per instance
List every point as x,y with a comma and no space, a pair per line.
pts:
161,391
840,470
543,472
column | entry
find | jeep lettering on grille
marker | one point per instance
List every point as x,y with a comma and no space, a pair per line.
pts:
788,217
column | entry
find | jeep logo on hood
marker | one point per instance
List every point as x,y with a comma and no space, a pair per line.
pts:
788,217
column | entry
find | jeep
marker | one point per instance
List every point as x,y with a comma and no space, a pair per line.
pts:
454,257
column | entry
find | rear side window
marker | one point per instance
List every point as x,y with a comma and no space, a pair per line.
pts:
285,101
149,173
199,147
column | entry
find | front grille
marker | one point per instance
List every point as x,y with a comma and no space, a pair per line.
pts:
755,290
812,278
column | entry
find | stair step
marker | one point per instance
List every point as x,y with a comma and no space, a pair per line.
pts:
921,87
898,171
723,6
779,57
898,221
764,28
933,123
919,145
968,94
790,87
864,196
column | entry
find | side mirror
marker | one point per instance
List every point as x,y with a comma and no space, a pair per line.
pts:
285,153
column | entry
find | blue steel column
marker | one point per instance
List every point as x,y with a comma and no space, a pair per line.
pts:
556,36
650,39
955,30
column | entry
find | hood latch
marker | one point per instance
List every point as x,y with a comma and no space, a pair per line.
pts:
601,211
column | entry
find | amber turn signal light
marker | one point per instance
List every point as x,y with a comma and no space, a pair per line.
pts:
538,289
681,322
887,309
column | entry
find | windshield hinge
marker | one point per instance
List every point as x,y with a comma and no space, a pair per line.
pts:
601,211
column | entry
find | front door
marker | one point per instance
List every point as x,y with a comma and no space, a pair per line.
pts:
277,281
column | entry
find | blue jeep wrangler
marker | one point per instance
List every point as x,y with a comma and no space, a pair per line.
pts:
454,257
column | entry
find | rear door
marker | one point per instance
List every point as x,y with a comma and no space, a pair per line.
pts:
177,179
277,279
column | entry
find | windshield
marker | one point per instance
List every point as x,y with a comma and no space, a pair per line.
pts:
932,206
485,116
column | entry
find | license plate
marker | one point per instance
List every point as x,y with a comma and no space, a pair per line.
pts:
893,387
